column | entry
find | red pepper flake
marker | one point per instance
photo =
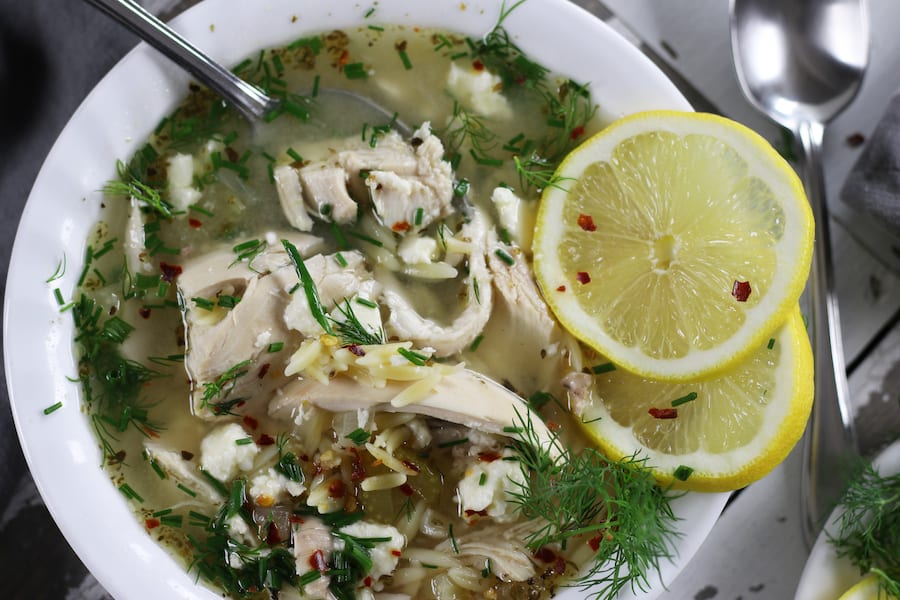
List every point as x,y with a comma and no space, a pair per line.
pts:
407,489
663,413
273,536
594,542
396,552
185,455
583,277
855,140
169,272
401,226
577,132
296,519
357,469
304,457
478,65
471,513
410,465
317,561
559,567
250,422
337,489
356,349
561,288
545,555
488,457
344,58
586,222
265,440
151,523
144,311
553,426
741,290
195,223
263,370
367,581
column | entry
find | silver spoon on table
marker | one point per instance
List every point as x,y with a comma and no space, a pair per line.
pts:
801,62
246,98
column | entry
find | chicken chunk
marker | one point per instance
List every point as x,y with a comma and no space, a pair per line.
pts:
325,189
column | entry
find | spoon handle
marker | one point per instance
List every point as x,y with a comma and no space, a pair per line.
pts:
245,97
830,442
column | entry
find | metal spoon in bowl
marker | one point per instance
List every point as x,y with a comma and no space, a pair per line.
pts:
246,98
801,62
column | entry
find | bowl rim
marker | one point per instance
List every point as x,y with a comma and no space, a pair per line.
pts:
110,123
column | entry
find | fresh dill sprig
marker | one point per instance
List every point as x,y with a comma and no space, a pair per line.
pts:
466,129
222,387
614,506
869,527
351,331
130,185
309,287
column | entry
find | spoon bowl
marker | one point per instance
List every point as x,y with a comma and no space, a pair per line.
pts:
801,63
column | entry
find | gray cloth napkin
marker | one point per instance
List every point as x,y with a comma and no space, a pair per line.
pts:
873,185
52,52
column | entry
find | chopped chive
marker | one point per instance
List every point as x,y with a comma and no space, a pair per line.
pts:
369,13
683,472
227,301
504,236
485,160
475,343
512,429
366,238
308,578
420,214
461,188
53,408
404,58
428,566
59,297
483,479
187,490
504,256
458,55
539,399
455,442
203,303
145,282
453,539
444,42
162,513
294,289
326,209
771,343
339,258
309,286
198,517
355,71
414,357
315,88
275,347
293,154
129,493
172,520
243,441
376,28
685,399
163,290
487,568
603,368
359,436
230,138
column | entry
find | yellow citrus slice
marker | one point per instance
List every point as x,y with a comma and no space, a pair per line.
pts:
674,244
716,434
867,589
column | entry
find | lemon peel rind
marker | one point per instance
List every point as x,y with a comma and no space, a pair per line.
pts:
761,320
732,471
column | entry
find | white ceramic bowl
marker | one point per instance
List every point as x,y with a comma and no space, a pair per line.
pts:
111,124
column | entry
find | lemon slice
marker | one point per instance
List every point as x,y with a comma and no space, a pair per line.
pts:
675,244
716,434
867,589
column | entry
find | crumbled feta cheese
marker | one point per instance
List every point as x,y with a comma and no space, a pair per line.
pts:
486,486
515,216
222,457
263,339
416,249
239,530
181,179
275,486
421,433
385,555
478,90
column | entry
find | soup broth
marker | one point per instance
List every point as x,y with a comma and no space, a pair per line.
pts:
344,447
